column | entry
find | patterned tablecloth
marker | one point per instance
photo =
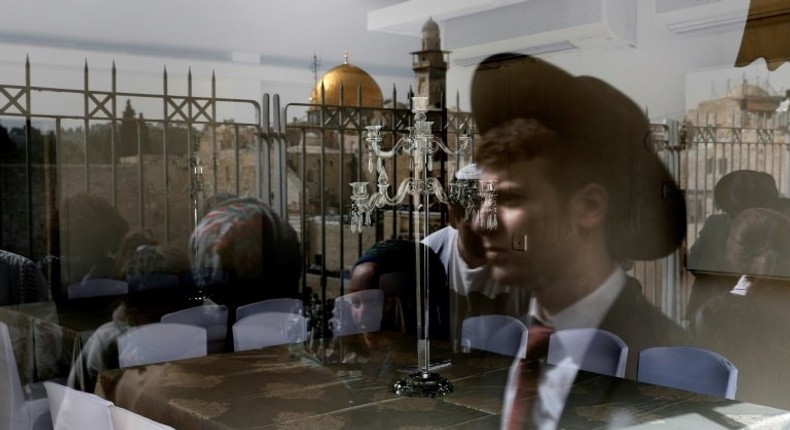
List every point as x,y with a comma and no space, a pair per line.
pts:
286,387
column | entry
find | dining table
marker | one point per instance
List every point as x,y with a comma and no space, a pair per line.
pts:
348,384
47,337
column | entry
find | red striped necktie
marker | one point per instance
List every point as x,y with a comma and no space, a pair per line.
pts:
524,377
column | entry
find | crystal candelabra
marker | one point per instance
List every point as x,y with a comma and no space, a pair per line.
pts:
420,145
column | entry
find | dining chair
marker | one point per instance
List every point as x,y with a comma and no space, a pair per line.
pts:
77,410
592,349
160,342
213,318
124,419
271,305
17,411
97,287
501,334
688,368
268,329
357,312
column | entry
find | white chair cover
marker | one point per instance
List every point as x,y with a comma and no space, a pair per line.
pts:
98,287
13,413
501,334
160,342
688,368
77,410
592,349
267,329
213,318
272,305
16,411
358,312
123,419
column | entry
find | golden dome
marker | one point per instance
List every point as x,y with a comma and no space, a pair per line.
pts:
351,78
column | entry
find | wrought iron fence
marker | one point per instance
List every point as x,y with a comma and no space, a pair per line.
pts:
159,167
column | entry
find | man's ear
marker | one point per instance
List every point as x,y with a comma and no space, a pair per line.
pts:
452,216
589,206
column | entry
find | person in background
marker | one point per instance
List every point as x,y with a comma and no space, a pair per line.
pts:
20,280
472,291
748,325
242,252
391,265
579,191
159,283
127,249
734,193
91,231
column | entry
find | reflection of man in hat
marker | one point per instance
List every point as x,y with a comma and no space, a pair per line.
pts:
734,193
472,290
577,191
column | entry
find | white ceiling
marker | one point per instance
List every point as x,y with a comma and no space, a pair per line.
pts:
283,33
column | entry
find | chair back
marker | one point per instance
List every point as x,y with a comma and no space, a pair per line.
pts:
501,334
12,401
77,410
97,287
160,342
688,368
213,318
268,329
592,349
124,419
271,305
357,312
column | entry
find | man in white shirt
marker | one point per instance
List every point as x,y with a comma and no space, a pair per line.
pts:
472,290
578,192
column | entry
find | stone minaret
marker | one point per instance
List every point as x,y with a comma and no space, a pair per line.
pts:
430,65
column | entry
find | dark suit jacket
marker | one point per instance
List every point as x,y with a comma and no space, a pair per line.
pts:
640,324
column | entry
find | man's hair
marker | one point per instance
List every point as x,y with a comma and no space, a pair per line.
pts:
757,243
571,164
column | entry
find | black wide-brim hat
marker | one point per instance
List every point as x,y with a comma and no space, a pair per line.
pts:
743,189
599,125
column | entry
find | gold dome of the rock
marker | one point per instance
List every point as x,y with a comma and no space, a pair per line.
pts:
352,79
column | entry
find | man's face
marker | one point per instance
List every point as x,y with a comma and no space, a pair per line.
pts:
527,204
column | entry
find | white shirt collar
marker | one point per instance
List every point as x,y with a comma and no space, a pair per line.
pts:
590,310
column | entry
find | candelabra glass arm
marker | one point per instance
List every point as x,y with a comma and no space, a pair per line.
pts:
460,149
405,187
379,153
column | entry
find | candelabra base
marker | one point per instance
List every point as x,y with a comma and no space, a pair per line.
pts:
423,384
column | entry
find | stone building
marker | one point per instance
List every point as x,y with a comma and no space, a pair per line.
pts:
741,130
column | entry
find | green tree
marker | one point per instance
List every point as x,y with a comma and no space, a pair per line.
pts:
99,141
132,130
7,146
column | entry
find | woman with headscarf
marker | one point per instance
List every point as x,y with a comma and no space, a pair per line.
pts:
243,252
